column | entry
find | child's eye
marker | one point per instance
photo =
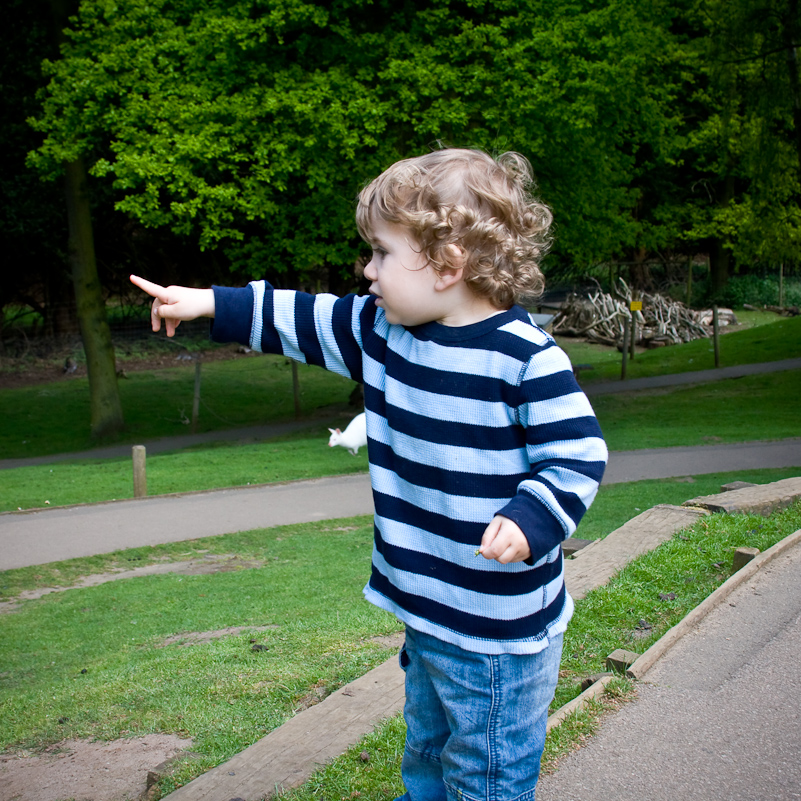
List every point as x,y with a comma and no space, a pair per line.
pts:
380,252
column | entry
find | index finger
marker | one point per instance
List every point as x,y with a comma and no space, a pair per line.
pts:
156,290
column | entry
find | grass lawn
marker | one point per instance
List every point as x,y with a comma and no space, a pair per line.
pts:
54,418
770,339
96,662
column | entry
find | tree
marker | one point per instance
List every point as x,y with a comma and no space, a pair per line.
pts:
253,125
106,415
747,148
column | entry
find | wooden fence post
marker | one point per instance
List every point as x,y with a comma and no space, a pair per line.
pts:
716,334
139,471
296,389
196,398
626,329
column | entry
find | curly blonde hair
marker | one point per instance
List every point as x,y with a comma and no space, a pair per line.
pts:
479,203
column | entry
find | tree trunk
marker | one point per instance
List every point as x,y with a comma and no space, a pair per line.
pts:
719,253
791,31
106,409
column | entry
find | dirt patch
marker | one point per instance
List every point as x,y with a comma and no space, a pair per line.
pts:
216,563
30,371
394,640
197,637
85,771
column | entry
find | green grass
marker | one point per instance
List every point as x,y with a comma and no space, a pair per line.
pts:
780,339
54,418
735,410
760,407
616,504
90,663
290,458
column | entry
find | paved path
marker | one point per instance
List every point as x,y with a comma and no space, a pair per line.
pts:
46,535
718,717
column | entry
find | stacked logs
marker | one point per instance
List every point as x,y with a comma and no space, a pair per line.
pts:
600,317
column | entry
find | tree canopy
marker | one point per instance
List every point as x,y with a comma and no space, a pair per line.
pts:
653,126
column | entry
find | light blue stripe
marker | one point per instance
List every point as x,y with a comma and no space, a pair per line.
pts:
476,644
323,315
284,318
565,479
355,322
566,407
418,540
462,361
530,333
451,408
455,507
373,372
492,607
588,449
257,323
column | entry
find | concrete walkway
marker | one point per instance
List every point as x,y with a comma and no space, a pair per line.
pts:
45,535
717,717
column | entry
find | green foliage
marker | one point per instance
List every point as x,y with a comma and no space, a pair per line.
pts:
255,126
746,145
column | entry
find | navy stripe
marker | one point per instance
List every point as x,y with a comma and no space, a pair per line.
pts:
576,428
270,341
530,627
461,531
449,432
342,326
446,382
452,482
547,387
593,470
308,341
233,314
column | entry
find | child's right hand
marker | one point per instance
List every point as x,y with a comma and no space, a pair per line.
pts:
175,303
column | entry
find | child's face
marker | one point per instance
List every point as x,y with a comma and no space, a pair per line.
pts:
402,279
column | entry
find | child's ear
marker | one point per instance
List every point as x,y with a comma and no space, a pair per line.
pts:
452,272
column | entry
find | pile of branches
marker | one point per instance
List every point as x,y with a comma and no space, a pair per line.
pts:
600,317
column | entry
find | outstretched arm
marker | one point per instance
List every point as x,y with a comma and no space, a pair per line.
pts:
175,303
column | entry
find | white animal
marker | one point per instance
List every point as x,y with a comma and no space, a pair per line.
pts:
353,437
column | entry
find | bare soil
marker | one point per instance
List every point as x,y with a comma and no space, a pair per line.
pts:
34,370
85,771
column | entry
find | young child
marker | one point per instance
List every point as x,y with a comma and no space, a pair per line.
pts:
484,453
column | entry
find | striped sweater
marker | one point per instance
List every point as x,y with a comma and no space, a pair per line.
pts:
463,424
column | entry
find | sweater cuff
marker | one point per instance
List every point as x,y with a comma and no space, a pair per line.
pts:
233,314
541,528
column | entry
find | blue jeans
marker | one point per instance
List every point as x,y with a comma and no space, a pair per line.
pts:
475,722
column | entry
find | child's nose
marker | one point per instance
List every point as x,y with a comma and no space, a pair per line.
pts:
370,272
